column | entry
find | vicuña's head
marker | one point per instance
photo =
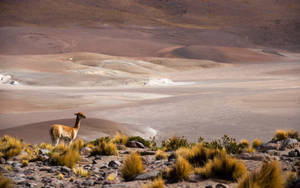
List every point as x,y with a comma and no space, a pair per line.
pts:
80,115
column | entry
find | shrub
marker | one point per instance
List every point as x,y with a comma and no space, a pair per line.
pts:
25,163
198,155
160,155
65,155
269,176
31,153
225,167
10,146
105,148
244,143
5,182
256,143
44,145
180,171
120,138
132,166
146,143
78,144
174,143
157,183
280,134
79,171
292,134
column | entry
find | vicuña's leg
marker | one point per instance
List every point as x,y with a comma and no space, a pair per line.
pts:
56,142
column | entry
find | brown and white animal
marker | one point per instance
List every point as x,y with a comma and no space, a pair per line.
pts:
61,132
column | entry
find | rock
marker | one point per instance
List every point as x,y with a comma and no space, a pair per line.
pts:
19,180
148,175
270,146
140,145
254,156
88,183
288,143
273,152
143,153
131,144
172,157
86,151
219,185
209,186
47,169
292,154
114,164
115,185
65,169
28,171
44,151
2,160
104,166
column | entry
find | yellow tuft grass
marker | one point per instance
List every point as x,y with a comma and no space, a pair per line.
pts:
105,148
25,163
290,179
157,183
180,171
120,138
244,143
292,134
65,155
160,155
281,134
132,166
78,144
10,146
79,171
61,176
225,167
5,182
44,145
198,155
175,142
256,143
269,176
111,177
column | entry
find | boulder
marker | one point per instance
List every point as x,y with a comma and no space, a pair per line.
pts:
270,146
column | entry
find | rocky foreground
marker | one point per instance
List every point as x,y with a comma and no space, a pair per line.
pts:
105,170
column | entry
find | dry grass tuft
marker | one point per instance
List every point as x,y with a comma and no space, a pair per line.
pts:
256,143
281,134
132,166
44,145
290,179
160,155
180,171
244,143
24,163
78,144
79,171
66,155
157,183
105,148
292,134
174,143
198,155
225,167
10,146
269,176
5,182
120,138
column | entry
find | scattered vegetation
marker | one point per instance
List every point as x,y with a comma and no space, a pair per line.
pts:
5,182
66,155
180,171
44,145
146,143
256,143
157,183
280,135
132,166
25,163
10,146
198,155
244,143
268,176
79,171
105,148
225,167
160,154
120,138
174,143
292,134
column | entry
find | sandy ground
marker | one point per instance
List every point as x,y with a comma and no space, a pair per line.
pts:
246,100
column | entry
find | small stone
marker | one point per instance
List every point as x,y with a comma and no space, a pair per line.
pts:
131,144
2,160
114,164
292,154
140,145
65,169
147,152
209,186
44,151
88,183
148,175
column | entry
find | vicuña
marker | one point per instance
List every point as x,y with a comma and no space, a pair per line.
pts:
59,132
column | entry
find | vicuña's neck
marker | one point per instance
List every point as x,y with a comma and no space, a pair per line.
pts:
77,123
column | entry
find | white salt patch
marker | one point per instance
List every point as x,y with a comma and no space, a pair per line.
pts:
166,82
6,79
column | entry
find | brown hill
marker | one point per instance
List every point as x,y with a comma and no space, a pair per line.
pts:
126,26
